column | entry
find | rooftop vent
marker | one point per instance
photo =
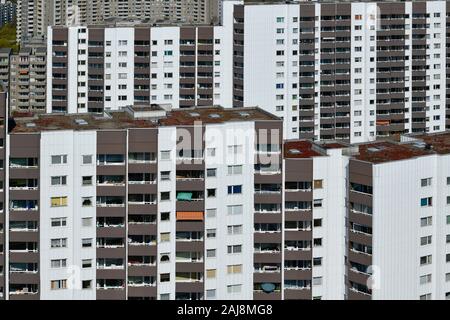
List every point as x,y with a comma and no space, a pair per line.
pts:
214,116
81,122
294,151
31,125
244,114
375,149
194,114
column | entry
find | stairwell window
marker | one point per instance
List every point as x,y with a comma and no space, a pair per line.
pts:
425,182
58,284
236,189
59,159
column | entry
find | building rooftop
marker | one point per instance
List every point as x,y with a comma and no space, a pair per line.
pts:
134,118
439,142
301,149
387,151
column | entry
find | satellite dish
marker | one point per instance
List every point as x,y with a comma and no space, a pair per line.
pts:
268,287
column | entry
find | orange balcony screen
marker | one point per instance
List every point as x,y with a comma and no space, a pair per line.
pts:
190,215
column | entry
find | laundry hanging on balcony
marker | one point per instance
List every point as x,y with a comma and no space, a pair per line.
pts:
184,196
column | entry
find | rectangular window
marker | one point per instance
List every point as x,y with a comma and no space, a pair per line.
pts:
234,210
211,273
59,180
59,201
59,159
165,155
426,202
210,233
425,240
58,263
425,182
234,268
58,284
234,249
87,181
86,243
86,222
165,175
427,221
318,184
236,189
211,172
165,236
58,222
235,169
58,243
235,229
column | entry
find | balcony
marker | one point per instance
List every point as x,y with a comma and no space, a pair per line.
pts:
23,289
110,160
110,180
142,157
108,243
189,175
23,163
268,188
141,281
141,178
29,268
141,199
267,208
110,222
110,264
23,205
141,240
110,284
110,201
23,184
23,226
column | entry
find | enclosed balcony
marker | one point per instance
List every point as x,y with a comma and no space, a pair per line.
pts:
23,289
23,205
105,284
189,236
141,240
23,247
110,180
142,157
189,276
110,243
141,260
110,159
141,178
297,284
267,208
190,195
110,263
297,245
23,184
267,227
266,188
190,175
297,225
189,256
267,247
298,186
267,267
110,222
140,198
110,201
23,162
297,264
142,219
23,267
20,226
297,205
141,281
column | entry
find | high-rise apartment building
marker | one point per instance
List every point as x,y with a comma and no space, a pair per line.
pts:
33,18
7,12
339,70
5,57
212,203
28,75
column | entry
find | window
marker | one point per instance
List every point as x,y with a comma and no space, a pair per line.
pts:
211,193
234,210
86,284
165,236
425,260
59,180
317,281
317,242
425,240
59,201
58,222
425,296
164,277
318,184
317,261
235,288
425,182
165,216
165,196
211,213
235,229
165,155
210,233
426,202
165,175
87,181
427,221
59,159
317,223
86,243
425,279
58,284
236,189
58,263
86,263
58,243
234,268
210,273
448,181
317,203
86,201
210,294
234,249
211,152
211,172
211,253
235,169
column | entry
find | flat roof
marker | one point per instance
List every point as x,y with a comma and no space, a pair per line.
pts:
439,142
300,149
28,123
387,151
